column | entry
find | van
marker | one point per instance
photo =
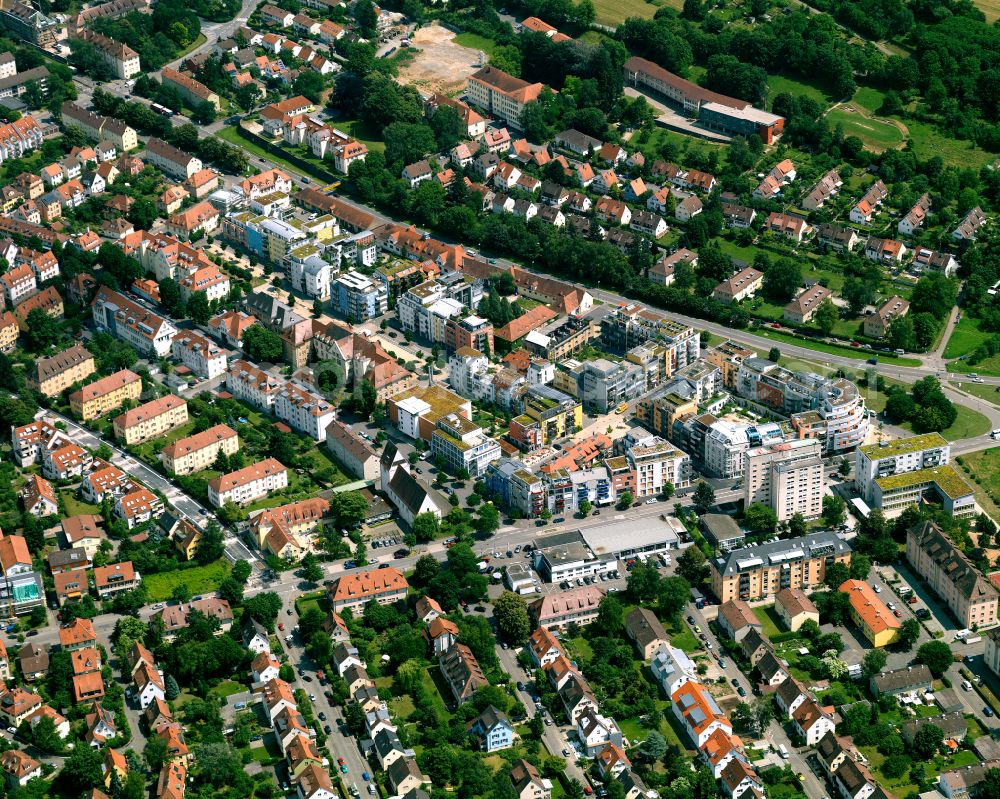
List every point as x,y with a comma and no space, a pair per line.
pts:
961,635
994,434
973,375
966,685
783,751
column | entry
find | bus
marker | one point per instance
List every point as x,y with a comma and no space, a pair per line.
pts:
161,109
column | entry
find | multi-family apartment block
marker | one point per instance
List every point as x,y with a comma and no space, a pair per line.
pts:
786,477
130,322
901,456
53,375
198,452
463,445
104,395
99,128
503,95
359,298
762,570
251,384
385,586
193,91
199,354
966,592
209,279
121,59
304,410
248,484
151,420
169,159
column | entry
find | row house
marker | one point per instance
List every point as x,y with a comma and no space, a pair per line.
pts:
866,208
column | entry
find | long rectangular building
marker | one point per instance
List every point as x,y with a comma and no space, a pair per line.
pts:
53,375
966,592
151,420
897,457
714,110
761,571
128,321
503,95
198,452
106,394
248,484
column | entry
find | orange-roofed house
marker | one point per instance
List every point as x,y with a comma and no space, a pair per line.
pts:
698,712
442,633
78,634
719,749
870,613
88,687
518,328
502,95
544,647
385,586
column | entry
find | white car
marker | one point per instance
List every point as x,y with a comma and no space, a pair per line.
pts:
877,589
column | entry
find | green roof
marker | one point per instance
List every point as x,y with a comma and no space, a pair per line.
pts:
945,478
903,446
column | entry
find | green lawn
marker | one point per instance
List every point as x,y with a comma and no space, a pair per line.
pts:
227,688
74,506
928,141
682,637
476,42
614,12
777,84
832,349
199,580
983,391
876,134
769,619
965,337
869,98
968,424
360,131
983,468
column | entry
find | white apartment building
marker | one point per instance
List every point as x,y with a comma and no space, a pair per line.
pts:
132,323
304,410
251,384
786,477
208,279
310,273
726,446
248,484
897,457
469,375
656,463
199,354
464,445
19,284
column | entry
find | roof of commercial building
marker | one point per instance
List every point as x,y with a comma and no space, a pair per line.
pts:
632,534
945,477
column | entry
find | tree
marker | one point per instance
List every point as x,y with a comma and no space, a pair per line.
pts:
774,355
312,572
348,509
692,565
212,545
261,345
86,769
585,507
511,614
264,607
625,500
826,317
909,632
935,655
860,566
309,84
797,526
836,575
155,753
610,616
487,520
366,18
782,279
704,497
760,518
654,747
198,308
41,331
834,510
204,112
927,742
873,662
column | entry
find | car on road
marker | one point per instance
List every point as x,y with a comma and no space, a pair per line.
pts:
343,768
312,697
988,711
281,626
897,614
876,589
697,629
307,678
741,691
340,761
327,729
364,776
322,716
520,685
735,682
288,612
690,619
567,751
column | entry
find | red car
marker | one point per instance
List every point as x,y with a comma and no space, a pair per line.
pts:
281,626
912,600
897,614
340,761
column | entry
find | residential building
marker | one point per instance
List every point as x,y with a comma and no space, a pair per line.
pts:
721,531
53,375
151,420
385,586
248,484
948,571
941,484
761,570
811,722
915,217
740,286
409,494
110,580
646,632
736,619
359,298
171,160
351,451
203,357
199,451
672,668
208,279
795,608
502,95
493,730
968,228
698,712
899,456
463,445
122,60
910,679
802,309
105,395
461,672
132,323
557,610
786,477
194,92
870,613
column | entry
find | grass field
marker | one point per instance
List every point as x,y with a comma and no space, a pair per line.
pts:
928,141
876,134
777,84
770,625
965,338
991,8
614,12
985,391
968,424
199,580
984,468
868,98
74,506
476,42
832,349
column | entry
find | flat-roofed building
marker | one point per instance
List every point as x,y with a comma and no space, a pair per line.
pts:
104,395
901,456
942,484
198,452
760,571
151,420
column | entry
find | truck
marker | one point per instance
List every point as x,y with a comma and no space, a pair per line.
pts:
973,639
961,635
